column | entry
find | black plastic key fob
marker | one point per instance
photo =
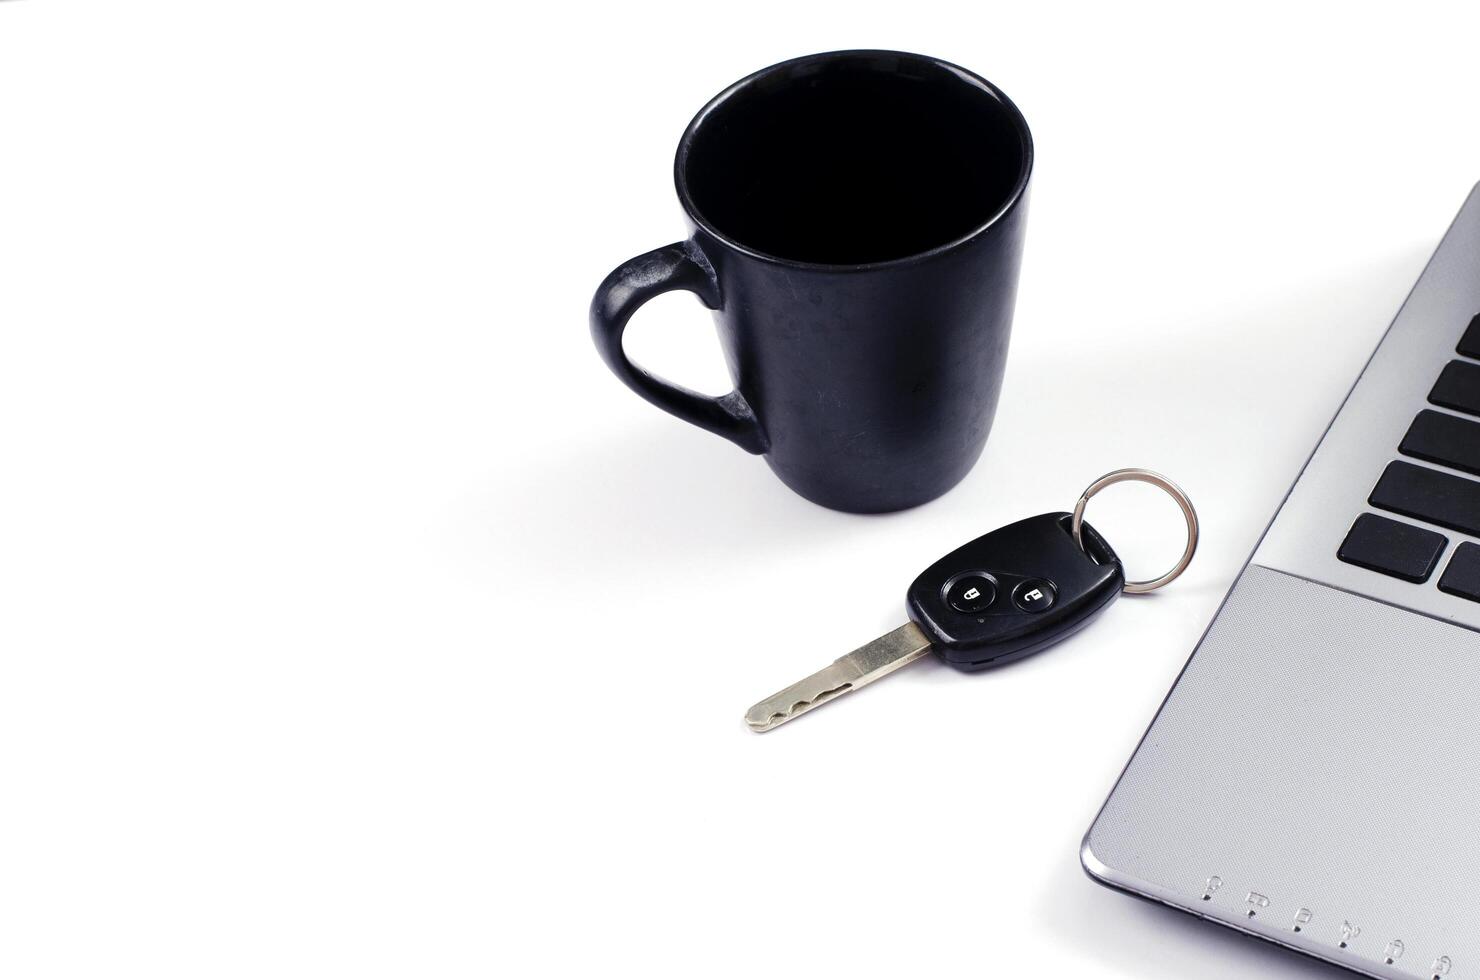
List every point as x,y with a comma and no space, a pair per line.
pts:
1014,591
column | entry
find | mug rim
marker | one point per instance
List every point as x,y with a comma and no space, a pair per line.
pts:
1019,188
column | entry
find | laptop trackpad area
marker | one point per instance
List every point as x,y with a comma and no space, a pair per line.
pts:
1314,778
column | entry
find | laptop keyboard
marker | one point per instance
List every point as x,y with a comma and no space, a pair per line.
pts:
1458,387
1462,577
1412,553
1429,495
1393,548
1444,439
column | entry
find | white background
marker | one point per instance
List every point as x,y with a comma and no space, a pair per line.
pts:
355,622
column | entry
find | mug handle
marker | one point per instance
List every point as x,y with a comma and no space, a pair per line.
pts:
677,266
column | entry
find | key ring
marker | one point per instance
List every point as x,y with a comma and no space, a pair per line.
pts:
1156,480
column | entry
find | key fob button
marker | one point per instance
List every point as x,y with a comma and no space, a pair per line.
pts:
1034,595
1073,584
971,593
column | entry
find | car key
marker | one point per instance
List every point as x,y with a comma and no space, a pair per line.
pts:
1003,596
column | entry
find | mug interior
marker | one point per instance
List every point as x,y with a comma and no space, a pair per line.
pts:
853,158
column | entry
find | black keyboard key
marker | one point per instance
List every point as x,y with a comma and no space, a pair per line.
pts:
1469,344
1462,577
1392,548
1429,495
1444,439
1458,387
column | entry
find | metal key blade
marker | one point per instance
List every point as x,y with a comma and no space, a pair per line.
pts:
848,673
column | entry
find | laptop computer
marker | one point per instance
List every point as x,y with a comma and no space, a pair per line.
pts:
1313,778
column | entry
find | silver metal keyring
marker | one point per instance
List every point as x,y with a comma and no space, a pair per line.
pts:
1156,480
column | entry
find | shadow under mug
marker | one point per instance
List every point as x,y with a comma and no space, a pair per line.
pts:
857,225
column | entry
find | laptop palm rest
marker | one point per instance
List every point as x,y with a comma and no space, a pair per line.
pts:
1314,780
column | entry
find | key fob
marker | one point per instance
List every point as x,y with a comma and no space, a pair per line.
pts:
1014,591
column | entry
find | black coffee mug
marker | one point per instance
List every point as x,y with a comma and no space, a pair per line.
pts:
857,224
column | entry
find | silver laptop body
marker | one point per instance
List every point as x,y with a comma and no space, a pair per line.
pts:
1313,778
